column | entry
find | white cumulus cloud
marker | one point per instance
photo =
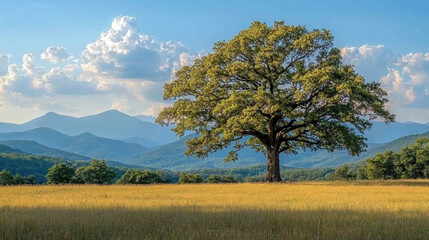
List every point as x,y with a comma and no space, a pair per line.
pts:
123,52
124,67
55,54
404,77
416,65
400,91
371,61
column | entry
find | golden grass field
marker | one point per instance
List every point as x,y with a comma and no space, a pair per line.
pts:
312,210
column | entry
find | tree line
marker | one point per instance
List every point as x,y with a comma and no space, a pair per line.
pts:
411,162
99,173
6,178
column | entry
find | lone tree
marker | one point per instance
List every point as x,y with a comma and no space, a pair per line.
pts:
277,89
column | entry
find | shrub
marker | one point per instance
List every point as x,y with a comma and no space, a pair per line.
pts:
60,173
96,173
6,178
221,179
132,176
190,178
344,173
18,179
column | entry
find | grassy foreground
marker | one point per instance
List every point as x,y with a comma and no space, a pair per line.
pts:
371,210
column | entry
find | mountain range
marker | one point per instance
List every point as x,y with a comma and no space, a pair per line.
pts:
137,140
85,144
110,124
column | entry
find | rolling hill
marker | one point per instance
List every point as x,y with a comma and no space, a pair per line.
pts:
27,164
85,144
7,149
171,156
35,148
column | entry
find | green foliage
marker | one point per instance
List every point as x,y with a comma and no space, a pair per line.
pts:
221,179
60,173
18,179
96,173
410,163
344,173
30,179
190,178
276,89
315,174
382,166
133,176
296,175
27,164
6,178
422,157
362,173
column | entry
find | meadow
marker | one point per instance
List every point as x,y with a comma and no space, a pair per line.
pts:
307,210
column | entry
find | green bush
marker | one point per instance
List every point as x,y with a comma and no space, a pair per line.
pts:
132,176
344,173
96,173
221,179
190,178
6,178
60,173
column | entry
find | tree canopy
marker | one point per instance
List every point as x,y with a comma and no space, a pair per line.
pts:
409,163
277,89
60,173
96,173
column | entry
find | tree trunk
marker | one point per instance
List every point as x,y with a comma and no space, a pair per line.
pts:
273,165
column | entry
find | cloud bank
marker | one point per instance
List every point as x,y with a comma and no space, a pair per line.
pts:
122,63
404,77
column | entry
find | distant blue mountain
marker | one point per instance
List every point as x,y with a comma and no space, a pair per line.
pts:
383,133
85,144
146,118
110,124
142,129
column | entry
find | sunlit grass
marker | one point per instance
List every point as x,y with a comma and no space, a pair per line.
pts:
321,210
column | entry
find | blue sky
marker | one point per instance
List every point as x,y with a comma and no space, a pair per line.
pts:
387,41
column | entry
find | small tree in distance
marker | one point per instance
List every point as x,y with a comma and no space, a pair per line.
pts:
277,89
190,178
96,173
60,173
343,173
133,176
221,179
6,178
